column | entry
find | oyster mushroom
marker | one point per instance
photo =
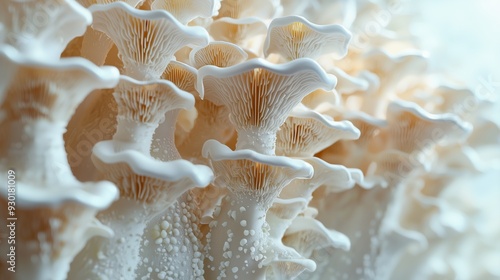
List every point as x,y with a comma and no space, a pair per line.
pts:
147,186
239,227
58,211
42,29
259,95
146,40
306,133
295,37
220,54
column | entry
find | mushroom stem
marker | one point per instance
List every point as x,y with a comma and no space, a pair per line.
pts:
118,256
172,243
36,150
164,147
134,135
259,140
235,242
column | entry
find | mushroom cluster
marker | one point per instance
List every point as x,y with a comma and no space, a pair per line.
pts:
231,139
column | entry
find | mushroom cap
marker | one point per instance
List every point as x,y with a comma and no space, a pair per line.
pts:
334,177
295,37
42,29
49,89
251,174
306,132
148,101
146,40
144,178
96,195
411,129
310,234
183,76
286,262
259,93
217,53
346,83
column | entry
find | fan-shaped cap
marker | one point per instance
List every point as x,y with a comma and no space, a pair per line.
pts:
95,195
346,83
220,54
50,90
259,95
148,101
282,212
186,10
321,98
295,37
286,262
334,177
182,75
42,29
248,173
394,166
358,153
392,68
411,129
370,128
210,121
461,101
142,106
52,235
307,234
391,71
143,178
146,40
306,132
287,209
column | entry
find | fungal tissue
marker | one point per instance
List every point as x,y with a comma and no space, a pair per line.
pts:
231,139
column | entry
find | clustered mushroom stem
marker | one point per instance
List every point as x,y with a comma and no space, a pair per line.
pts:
261,141
394,192
236,242
133,135
118,256
31,148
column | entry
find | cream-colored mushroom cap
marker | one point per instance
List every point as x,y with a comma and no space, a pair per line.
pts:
259,95
218,53
146,40
295,37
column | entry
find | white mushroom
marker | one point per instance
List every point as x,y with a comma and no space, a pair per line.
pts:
259,96
253,180
42,29
220,54
146,40
295,37
56,211
306,133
